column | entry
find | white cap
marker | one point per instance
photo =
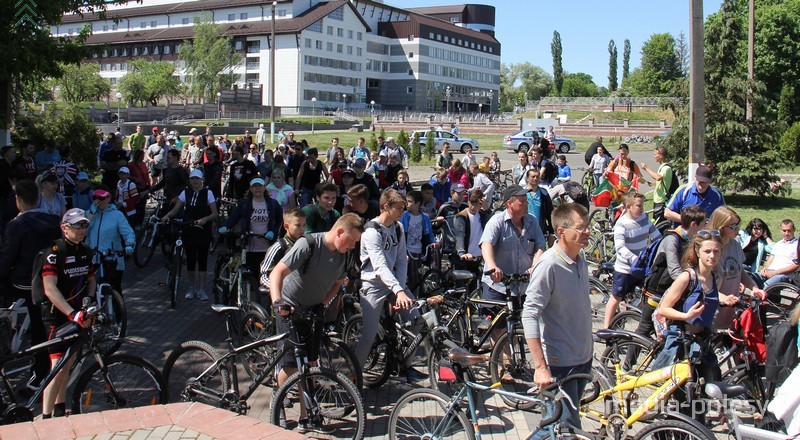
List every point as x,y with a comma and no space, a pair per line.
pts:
124,170
196,173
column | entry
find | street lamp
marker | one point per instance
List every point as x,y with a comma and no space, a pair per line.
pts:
372,108
480,109
491,98
119,102
344,102
219,105
313,112
447,95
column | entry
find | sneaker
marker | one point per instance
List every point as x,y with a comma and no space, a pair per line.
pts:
201,294
414,375
317,428
189,293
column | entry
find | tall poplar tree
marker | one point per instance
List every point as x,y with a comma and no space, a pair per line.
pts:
626,59
558,69
612,66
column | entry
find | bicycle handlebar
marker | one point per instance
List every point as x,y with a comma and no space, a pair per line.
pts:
510,277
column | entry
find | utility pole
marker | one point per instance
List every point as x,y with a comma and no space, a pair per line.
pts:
272,78
697,121
751,58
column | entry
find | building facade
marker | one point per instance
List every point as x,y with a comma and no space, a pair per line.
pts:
343,54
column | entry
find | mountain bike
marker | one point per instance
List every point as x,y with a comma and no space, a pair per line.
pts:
327,398
109,333
175,257
149,237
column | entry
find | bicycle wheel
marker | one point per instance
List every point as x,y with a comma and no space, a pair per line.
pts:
145,246
617,352
783,297
420,414
110,329
435,357
125,382
598,296
175,276
337,356
447,314
376,369
514,372
670,429
184,374
256,327
627,320
336,408
755,395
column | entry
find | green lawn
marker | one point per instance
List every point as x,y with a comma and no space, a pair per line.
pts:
770,209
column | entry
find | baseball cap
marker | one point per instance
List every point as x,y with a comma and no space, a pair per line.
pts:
513,191
360,163
348,172
155,129
703,174
457,187
74,215
124,170
193,131
196,174
100,194
257,181
383,153
82,176
49,177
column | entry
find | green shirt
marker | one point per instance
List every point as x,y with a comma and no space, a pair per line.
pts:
665,170
136,141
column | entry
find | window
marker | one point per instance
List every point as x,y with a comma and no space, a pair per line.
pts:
281,12
446,39
410,90
454,19
185,21
330,30
243,16
308,42
153,23
168,49
350,34
105,28
338,14
411,72
329,46
438,37
359,36
316,27
113,81
238,45
411,54
143,24
114,27
231,17
431,36
319,44
145,50
349,50
358,51
135,51
339,48
339,32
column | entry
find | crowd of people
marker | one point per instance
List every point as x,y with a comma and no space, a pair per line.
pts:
303,209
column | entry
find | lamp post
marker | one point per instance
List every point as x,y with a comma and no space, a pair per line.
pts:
480,109
372,108
313,112
491,98
447,95
272,78
344,102
219,105
119,102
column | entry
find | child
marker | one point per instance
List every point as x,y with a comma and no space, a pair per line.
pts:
441,187
82,197
294,223
127,195
494,165
429,204
599,163
419,234
373,159
564,173
485,165
403,184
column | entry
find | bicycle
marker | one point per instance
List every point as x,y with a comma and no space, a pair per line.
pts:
225,206
722,393
109,333
150,235
175,258
197,372
110,382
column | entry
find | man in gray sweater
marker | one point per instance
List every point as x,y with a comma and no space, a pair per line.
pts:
557,315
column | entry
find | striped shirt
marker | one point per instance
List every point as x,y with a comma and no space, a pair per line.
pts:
630,238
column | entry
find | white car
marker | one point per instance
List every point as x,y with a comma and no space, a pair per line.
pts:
522,141
442,136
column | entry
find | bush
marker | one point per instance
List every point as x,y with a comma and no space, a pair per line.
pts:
66,127
382,134
430,145
790,144
373,142
402,139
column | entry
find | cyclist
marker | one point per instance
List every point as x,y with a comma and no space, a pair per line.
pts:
199,207
557,312
468,228
540,205
445,158
358,202
50,200
212,172
109,231
484,184
175,178
419,234
455,204
311,173
67,274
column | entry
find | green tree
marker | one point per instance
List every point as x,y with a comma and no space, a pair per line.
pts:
148,81
777,43
626,59
558,69
82,82
402,139
579,84
210,59
788,111
682,53
659,71
430,145
612,66
790,144
66,127
373,142
518,79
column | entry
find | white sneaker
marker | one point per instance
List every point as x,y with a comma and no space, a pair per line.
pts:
190,292
201,294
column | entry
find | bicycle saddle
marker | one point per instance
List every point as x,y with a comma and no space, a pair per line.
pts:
222,308
461,275
464,358
721,390
607,335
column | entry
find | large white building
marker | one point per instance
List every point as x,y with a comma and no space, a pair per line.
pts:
339,52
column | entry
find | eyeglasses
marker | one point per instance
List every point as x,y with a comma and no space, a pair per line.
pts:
80,225
708,233
582,230
733,227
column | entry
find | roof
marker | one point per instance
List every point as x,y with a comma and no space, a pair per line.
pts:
169,8
449,9
444,24
282,26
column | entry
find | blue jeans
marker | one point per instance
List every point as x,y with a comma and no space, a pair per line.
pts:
574,389
777,279
306,197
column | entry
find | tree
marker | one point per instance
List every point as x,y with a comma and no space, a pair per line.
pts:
66,127
790,143
578,84
682,53
558,69
31,52
626,59
777,43
82,82
402,139
612,66
148,81
210,59
430,145
659,71
788,111
518,79
373,142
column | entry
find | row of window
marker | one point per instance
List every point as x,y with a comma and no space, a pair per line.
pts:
340,48
332,97
463,58
377,66
125,51
331,63
331,79
460,42
469,75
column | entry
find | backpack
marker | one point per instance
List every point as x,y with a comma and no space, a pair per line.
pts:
37,283
550,171
642,265
448,240
781,352
658,268
673,186
749,326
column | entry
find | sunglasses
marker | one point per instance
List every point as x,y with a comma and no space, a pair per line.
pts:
80,225
708,233
733,227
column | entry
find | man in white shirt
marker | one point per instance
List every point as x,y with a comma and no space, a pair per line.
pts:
261,137
782,262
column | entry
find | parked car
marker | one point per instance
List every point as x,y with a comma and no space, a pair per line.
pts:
442,136
523,140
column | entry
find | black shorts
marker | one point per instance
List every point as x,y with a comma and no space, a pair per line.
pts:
53,319
309,336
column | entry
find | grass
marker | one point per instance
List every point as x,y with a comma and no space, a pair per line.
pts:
770,209
599,115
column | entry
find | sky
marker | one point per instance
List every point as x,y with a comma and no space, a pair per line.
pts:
525,28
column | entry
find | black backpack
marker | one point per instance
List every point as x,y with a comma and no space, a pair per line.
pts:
673,186
37,284
781,352
550,171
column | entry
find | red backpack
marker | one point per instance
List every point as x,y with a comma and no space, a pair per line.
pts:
748,327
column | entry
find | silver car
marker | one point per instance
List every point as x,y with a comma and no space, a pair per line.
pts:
442,136
523,140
